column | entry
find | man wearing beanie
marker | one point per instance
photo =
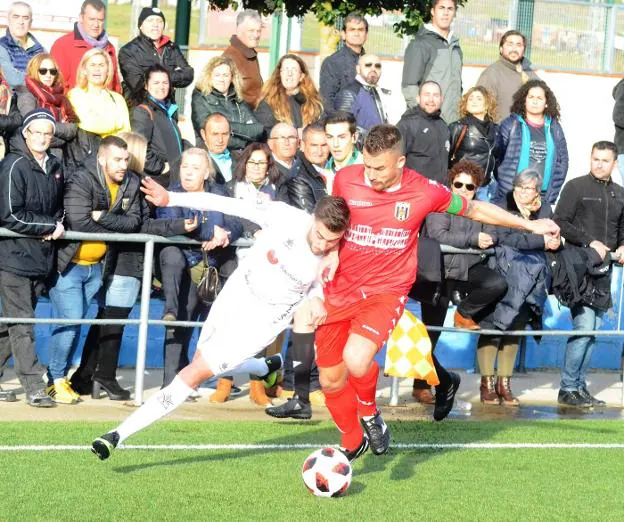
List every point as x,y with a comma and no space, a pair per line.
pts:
88,33
31,202
148,48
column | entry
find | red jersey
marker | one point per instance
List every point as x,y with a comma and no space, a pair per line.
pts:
378,254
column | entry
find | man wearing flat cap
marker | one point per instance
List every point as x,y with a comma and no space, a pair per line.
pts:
151,46
31,203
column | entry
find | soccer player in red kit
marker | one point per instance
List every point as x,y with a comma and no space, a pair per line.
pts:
376,269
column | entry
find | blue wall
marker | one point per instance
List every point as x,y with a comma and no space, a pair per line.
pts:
454,350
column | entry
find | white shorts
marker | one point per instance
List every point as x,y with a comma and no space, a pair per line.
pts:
238,327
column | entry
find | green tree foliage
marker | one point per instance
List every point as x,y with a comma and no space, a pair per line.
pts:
416,12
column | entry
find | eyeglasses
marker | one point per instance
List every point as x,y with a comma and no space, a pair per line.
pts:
257,164
375,65
469,186
531,188
43,71
285,138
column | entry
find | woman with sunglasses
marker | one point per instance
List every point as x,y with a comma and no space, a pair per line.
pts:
525,269
44,87
289,96
474,136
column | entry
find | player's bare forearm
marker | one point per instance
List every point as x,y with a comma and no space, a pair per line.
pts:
492,215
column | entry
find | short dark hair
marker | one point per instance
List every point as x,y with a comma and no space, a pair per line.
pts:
313,127
512,32
342,117
467,167
606,145
427,82
112,141
241,166
357,18
518,105
436,2
98,5
382,138
333,212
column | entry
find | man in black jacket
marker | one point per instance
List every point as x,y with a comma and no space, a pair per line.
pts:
31,202
425,135
590,213
338,70
148,48
100,197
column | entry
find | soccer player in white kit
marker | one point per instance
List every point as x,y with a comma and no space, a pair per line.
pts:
275,277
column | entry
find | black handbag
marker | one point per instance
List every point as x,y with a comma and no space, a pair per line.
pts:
209,285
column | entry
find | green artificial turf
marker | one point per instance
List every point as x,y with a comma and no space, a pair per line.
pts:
250,484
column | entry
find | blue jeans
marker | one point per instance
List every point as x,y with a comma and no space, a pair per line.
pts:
120,291
70,298
579,349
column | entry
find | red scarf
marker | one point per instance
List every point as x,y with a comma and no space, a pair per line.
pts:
5,95
52,98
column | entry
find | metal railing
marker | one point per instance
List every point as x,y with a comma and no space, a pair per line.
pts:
146,285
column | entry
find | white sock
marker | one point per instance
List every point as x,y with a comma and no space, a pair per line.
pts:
254,366
156,407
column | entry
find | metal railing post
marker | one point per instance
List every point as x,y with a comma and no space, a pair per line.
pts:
146,290
394,391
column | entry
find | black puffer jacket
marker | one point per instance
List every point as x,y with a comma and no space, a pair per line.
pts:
244,126
164,139
590,209
136,57
479,144
458,232
10,122
337,71
85,192
31,202
126,259
304,188
426,138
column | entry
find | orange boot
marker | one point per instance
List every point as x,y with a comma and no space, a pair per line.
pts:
257,394
222,393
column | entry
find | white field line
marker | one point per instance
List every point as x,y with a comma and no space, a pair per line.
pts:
286,447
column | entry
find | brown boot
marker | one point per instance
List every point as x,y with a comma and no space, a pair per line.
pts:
222,393
503,390
488,390
257,394
423,395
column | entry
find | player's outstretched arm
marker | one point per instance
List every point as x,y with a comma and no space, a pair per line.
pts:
160,197
493,215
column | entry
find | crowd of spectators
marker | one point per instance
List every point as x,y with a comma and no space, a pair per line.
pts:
81,124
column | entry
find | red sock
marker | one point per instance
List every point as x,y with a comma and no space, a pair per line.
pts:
365,389
342,405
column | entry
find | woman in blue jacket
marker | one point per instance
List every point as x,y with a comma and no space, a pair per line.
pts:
532,138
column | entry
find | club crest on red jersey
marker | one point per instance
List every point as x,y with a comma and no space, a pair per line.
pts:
402,210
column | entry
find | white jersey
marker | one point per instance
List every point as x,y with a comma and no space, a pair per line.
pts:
280,270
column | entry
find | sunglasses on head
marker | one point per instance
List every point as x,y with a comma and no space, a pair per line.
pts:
43,71
375,65
469,186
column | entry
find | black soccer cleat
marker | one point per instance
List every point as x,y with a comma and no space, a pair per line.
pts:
103,446
377,433
357,452
445,397
293,408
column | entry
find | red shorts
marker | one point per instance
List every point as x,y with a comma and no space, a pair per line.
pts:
373,318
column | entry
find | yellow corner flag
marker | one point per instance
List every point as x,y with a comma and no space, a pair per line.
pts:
408,352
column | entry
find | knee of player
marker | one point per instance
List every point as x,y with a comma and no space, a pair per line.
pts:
331,382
